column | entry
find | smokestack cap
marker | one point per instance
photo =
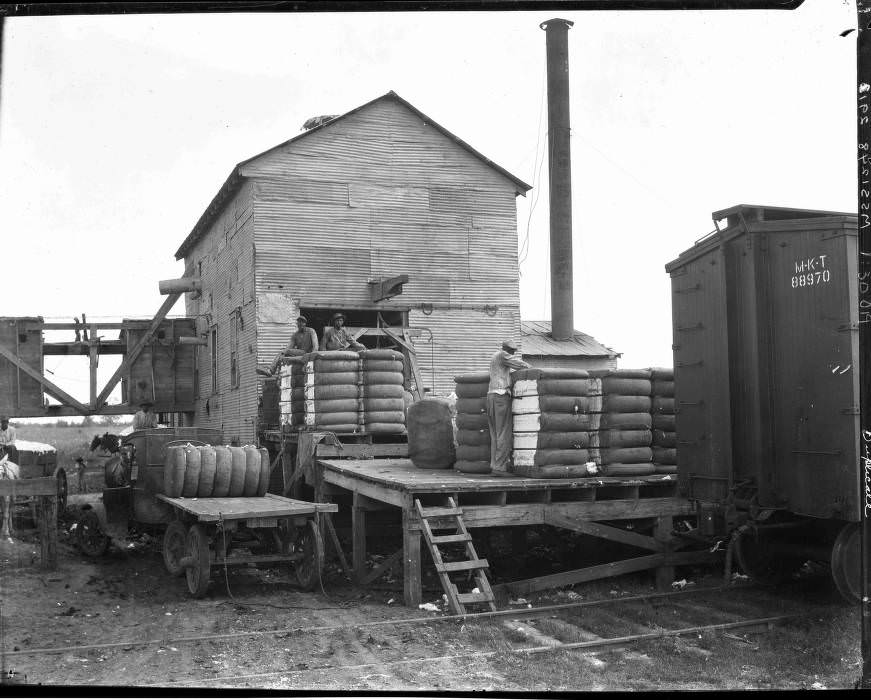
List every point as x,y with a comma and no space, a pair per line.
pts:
555,21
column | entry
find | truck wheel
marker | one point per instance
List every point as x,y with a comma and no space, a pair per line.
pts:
90,536
198,548
310,567
174,544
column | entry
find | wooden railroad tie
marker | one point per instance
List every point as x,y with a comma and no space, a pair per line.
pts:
450,512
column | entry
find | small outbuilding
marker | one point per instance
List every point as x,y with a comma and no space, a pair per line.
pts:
581,351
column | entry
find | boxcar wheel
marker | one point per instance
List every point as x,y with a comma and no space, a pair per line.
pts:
198,573
846,563
310,567
174,546
760,562
90,536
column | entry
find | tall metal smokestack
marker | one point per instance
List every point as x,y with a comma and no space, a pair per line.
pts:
560,177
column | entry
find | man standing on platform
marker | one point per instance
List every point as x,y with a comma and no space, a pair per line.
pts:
499,405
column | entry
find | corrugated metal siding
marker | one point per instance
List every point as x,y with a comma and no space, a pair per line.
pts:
225,257
463,341
417,204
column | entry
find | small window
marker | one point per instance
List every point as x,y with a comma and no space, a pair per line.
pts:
234,347
213,352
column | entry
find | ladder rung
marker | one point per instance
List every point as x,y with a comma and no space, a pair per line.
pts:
445,539
439,512
463,565
474,598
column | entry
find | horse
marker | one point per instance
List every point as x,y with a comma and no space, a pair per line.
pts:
107,441
8,470
114,470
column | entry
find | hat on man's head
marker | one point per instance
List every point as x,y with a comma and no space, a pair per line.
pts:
143,404
4,417
509,345
302,318
339,315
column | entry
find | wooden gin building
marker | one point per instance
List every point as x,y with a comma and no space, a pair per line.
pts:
380,213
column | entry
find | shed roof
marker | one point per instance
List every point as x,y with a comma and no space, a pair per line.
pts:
236,177
537,341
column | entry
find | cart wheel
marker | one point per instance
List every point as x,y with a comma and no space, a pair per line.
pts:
310,567
846,563
198,548
174,544
92,540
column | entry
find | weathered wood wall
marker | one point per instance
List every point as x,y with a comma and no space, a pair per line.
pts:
164,371
381,193
17,390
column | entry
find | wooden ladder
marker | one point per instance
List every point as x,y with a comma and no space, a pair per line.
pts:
456,600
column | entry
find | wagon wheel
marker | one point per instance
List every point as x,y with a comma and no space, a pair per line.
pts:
759,560
91,539
174,545
846,563
197,573
311,546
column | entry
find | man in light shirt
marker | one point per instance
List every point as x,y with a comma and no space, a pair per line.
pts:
145,418
7,433
499,405
338,337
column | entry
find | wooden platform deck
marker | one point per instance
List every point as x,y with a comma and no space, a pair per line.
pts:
212,510
489,500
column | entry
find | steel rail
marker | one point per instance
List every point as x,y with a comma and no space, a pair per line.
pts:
525,613
593,644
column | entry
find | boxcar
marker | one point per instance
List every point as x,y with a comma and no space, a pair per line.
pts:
766,354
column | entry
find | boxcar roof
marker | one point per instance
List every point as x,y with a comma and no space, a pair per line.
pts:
538,342
235,178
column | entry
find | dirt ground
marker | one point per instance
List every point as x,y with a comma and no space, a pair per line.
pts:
327,640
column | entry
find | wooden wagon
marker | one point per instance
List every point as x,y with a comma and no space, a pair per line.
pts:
200,533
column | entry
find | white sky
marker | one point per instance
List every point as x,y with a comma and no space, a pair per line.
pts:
115,133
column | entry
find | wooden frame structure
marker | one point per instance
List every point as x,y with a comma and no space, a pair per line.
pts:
580,505
88,343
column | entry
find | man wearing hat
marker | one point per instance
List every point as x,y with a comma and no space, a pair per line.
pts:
499,405
145,417
338,338
7,439
304,339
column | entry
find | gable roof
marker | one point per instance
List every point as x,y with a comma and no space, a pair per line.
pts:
537,341
235,179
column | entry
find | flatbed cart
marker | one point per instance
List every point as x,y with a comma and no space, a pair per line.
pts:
208,532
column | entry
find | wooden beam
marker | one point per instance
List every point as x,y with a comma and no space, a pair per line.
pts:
382,568
50,388
137,349
606,532
363,451
42,486
93,360
107,347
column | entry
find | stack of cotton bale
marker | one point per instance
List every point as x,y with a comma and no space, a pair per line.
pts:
662,410
381,403
285,387
621,422
325,391
473,433
551,423
203,471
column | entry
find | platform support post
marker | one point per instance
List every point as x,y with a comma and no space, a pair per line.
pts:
358,534
411,560
662,533
48,531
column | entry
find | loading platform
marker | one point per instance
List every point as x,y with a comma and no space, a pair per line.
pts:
592,505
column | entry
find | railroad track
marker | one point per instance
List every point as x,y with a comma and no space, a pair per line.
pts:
586,626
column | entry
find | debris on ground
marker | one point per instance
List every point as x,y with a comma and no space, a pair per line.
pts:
429,607
683,583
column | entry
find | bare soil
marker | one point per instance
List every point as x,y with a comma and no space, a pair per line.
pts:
327,640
